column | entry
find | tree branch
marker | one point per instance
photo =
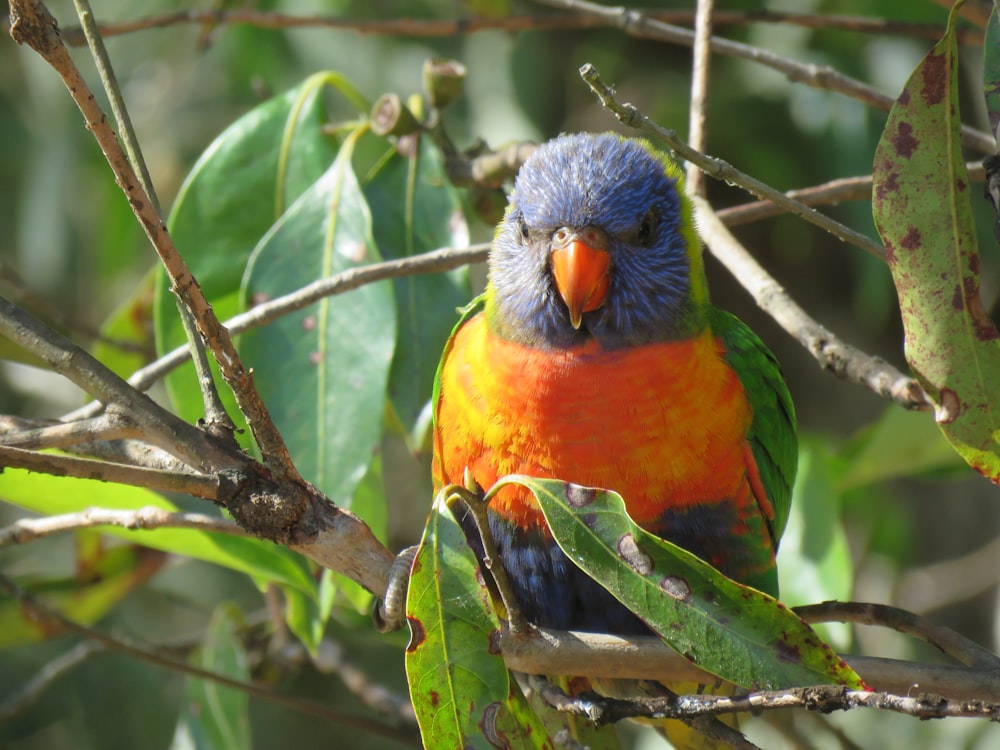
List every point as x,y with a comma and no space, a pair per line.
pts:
832,192
822,698
159,427
833,355
947,581
32,24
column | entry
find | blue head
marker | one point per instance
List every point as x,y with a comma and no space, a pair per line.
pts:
618,196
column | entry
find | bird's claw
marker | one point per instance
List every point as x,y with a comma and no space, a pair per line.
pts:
390,611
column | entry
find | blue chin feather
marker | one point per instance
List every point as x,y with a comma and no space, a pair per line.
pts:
615,184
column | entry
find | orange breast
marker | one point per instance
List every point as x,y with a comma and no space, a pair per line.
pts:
663,424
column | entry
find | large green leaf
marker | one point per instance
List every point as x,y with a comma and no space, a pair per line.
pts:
735,632
237,190
459,684
417,209
322,371
922,211
52,495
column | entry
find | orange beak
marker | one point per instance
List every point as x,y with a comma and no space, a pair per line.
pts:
581,274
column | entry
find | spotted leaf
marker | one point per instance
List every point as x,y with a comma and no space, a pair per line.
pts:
459,684
923,212
732,631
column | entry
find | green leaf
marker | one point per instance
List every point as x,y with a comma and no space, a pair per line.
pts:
123,569
322,371
417,210
923,213
130,323
52,495
370,504
991,70
236,191
900,443
735,632
459,683
305,616
814,563
215,716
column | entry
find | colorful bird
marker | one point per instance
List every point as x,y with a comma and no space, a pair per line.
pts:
595,357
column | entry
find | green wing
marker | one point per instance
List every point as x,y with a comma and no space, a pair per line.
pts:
772,433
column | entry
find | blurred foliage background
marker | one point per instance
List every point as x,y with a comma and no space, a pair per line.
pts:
886,512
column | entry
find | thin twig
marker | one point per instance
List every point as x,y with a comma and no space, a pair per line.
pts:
198,485
150,517
948,581
829,193
469,502
106,436
35,609
636,23
30,691
110,82
595,708
105,427
953,644
332,658
701,58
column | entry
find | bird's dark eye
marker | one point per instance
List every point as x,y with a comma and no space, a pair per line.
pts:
525,232
646,229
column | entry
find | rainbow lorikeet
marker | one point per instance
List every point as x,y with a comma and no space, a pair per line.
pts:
595,357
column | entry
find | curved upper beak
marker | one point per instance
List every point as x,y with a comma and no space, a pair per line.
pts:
580,265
